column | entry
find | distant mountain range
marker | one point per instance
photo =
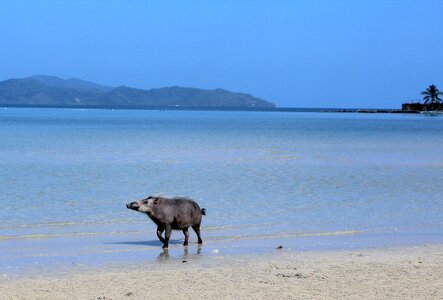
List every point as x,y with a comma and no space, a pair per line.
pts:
43,90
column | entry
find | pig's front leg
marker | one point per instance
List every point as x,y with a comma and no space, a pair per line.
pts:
159,234
167,236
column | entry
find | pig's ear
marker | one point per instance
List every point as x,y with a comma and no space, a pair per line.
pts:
155,200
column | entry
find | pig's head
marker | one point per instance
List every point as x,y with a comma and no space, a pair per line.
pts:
144,205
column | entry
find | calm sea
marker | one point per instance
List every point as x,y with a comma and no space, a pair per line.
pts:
302,180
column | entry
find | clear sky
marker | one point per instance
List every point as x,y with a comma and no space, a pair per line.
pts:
293,53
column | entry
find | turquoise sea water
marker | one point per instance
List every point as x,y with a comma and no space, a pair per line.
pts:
303,180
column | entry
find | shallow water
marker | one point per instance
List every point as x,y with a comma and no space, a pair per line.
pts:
305,180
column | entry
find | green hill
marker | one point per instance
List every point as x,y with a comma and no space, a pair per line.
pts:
54,91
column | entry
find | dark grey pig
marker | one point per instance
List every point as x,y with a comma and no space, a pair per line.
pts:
178,213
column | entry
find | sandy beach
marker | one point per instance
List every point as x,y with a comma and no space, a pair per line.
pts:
390,273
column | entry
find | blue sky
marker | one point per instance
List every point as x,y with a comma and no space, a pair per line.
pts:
293,53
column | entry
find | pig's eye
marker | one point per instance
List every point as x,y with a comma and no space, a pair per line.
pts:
145,202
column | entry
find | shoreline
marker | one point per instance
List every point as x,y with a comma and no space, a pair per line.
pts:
20,258
392,272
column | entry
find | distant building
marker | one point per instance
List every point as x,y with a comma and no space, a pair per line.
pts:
413,106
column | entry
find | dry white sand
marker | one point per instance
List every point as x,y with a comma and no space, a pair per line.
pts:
393,273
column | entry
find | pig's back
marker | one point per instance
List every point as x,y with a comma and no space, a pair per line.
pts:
185,205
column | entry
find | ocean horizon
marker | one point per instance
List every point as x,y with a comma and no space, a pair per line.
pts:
207,108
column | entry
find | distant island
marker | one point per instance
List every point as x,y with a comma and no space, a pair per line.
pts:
43,90
432,101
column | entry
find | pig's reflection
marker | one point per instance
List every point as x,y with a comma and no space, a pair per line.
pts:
165,253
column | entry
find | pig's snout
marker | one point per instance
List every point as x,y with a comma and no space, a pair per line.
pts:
133,206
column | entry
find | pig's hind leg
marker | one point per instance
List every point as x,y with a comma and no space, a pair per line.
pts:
186,233
197,231
159,234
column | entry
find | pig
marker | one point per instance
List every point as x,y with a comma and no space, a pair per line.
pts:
178,213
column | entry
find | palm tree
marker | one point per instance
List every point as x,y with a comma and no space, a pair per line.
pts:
431,94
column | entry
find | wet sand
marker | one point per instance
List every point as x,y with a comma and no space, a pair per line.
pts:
388,273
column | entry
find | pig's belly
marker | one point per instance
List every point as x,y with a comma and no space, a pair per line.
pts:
178,224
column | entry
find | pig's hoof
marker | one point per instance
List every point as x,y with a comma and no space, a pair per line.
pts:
185,244
165,246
